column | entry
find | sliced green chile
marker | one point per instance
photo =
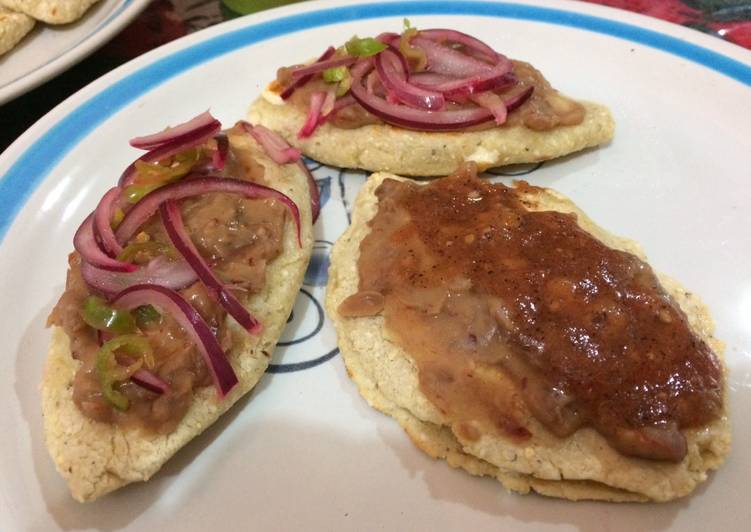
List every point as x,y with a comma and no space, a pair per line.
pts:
134,193
107,366
146,314
364,47
101,316
152,248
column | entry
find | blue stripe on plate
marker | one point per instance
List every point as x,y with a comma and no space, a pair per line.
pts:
44,154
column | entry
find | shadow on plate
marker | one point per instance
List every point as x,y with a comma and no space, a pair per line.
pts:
553,170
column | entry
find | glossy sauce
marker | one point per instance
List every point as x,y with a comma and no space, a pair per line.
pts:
509,312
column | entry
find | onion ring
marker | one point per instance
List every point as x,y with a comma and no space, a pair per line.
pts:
394,74
410,118
103,219
87,246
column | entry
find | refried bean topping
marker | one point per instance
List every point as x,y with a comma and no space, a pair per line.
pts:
238,237
510,313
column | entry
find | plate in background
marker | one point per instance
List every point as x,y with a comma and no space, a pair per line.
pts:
49,49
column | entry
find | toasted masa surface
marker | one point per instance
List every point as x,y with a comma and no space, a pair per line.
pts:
96,458
580,467
51,11
13,27
386,148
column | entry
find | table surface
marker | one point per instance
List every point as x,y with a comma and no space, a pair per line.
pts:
165,20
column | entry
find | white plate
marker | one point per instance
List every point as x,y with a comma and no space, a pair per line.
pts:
49,50
306,452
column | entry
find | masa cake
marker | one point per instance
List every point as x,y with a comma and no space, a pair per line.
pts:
526,454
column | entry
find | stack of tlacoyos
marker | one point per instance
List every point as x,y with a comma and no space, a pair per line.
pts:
575,466
506,332
18,17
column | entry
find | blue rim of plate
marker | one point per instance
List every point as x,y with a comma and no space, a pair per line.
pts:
22,178
116,13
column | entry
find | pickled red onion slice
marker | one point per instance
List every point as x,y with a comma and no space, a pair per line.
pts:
299,82
103,219
169,301
320,66
87,246
179,134
160,270
173,223
394,74
411,118
493,103
314,114
150,381
162,152
219,156
470,43
192,186
274,145
315,194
